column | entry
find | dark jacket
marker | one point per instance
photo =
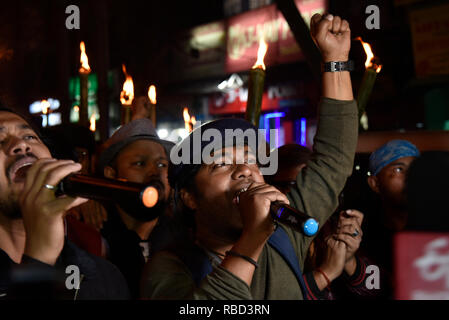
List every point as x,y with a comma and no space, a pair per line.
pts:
33,279
316,193
125,251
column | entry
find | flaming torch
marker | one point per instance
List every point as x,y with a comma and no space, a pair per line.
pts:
92,123
255,86
45,105
371,71
126,97
152,96
84,71
189,122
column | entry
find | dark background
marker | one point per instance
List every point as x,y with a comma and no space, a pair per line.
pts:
38,54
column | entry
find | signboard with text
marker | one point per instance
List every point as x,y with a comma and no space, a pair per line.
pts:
245,31
275,97
430,34
421,266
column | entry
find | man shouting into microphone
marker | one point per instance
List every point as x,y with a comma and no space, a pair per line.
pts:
34,254
238,252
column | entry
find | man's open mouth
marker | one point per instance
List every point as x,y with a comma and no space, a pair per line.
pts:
17,171
237,194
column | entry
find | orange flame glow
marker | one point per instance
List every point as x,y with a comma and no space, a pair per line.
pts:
76,109
369,56
84,60
189,122
152,94
127,94
92,123
45,105
263,47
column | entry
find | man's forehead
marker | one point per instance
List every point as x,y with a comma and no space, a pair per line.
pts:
7,117
144,146
12,119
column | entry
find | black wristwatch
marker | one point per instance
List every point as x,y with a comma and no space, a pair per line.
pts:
336,66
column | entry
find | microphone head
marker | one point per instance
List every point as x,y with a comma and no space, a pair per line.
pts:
311,227
150,196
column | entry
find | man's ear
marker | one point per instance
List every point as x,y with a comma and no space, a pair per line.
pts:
109,172
188,199
373,183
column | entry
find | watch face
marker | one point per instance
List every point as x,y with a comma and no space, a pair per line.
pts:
335,66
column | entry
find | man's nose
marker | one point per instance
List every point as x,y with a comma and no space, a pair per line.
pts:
242,171
152,172
18,146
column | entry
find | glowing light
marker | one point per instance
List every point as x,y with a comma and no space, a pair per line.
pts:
189,122
369,56
152,94
303,138
45,106
162,133
263,47
127,94
85,68
92,123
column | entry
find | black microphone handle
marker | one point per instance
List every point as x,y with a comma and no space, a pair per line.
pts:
292,217
96,188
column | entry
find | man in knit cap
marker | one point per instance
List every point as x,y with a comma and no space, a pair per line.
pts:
388,167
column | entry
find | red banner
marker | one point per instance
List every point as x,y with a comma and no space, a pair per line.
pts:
234,101
245,31
422,266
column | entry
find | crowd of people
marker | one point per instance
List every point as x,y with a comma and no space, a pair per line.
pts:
211,235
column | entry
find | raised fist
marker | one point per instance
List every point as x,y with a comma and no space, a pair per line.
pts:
332,36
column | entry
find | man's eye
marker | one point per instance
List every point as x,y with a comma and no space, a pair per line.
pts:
138,163
30,137
219,165
398,169
161,165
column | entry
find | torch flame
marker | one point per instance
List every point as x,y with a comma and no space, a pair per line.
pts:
45,105
369,56
84,60
186,116
92,123
378,69
189,122
76,109
127,94
152,94
263,47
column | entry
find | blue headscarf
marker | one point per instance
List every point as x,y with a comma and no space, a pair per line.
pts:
389,152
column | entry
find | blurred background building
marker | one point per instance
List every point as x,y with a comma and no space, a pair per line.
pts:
198,54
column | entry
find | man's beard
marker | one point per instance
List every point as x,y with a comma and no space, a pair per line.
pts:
10,208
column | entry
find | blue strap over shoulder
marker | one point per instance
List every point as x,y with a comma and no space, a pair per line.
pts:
280,241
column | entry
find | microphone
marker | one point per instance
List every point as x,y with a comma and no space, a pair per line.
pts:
294,218
138,200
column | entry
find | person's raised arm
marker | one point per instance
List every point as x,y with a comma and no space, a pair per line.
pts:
333,36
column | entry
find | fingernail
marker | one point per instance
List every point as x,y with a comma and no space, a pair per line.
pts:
348,211
329,17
